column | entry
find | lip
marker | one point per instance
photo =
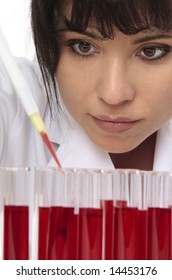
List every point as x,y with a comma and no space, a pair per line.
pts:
116,125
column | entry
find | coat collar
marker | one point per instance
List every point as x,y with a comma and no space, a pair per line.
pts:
163,149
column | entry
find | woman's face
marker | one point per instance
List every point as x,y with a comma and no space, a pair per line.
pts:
119,91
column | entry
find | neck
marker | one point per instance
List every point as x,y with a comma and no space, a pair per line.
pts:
141,157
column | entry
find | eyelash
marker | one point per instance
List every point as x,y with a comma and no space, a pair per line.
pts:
164,49
73,44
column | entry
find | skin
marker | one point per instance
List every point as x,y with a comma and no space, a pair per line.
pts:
119,91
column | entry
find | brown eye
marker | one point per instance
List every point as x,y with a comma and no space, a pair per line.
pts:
149,52
84,47
154,52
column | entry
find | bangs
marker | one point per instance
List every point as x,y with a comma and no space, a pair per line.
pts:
128,16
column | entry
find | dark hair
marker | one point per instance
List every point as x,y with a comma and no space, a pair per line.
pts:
128,16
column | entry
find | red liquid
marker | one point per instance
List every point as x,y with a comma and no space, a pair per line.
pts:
90,234
58,234
126,227
61,232
159,236
43,236
130,226
142,234
16,233
129,233
109,229
50,148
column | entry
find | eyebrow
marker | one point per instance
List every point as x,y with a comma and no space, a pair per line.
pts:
84,32
146,38
152,37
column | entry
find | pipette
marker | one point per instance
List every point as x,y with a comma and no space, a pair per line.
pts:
24,93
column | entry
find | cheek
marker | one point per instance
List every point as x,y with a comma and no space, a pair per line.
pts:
71,90
163,93
160,103
157,89
76,84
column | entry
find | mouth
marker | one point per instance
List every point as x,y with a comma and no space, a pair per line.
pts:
115,125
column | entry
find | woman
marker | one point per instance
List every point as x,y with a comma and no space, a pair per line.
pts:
105,67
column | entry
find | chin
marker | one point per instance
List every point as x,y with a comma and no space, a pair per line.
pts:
116,148
119,151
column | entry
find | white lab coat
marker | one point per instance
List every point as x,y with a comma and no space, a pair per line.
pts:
21,145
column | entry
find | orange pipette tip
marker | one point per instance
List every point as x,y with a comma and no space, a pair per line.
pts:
50,147
39,125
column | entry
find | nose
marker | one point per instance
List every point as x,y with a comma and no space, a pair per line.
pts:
116,84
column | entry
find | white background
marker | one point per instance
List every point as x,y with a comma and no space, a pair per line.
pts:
15,24
163,268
